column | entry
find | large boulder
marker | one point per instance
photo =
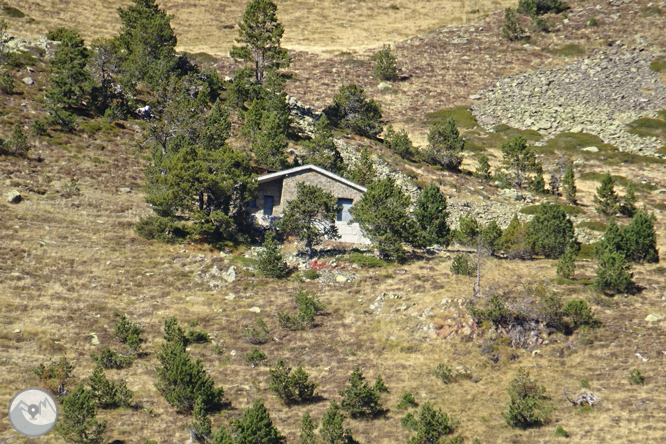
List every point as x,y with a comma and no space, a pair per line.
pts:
14,197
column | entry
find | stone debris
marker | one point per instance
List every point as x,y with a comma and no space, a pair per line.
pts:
597,95
28,81
14,197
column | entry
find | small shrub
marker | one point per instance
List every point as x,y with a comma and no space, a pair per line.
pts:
108,358
444,374
407,401
461,265
613,273
579,313
658,64
542,25
534,8
108,394
308,305
194,323
124,329
271,263
636,378
291,389
161,229
360,399
54,376
399,143
39,128
197,337
18,145
526,407
363,260
255,357
385,68
12,12
584,383
431,426
311,274
593,22
511,30
561,433
7,83
258,335
217,349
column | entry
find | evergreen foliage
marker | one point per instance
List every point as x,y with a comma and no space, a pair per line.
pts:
431,216
514,240
308,305
127,332
38,128
311,216
70,82
511,29
628,207
526,405
271,143
518,159
461,265
255,357
431,426
640,239
255,426
18,144
483,169
109,394
569,184
105,67
407,401
181,381
468,230
271,263
491,236
550,231
7,83
534,8
352,110
538,184
291,389
55,376
260,34
332,430
359,399
147,44
385,68
77,421
613,273
363,173
445,145
108,358
258,335
566,266
307,430
201,429
383,217
399,143
321,150
606,200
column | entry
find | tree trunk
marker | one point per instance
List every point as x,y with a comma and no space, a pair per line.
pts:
308,247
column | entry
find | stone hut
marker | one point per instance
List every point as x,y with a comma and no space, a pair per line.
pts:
274,190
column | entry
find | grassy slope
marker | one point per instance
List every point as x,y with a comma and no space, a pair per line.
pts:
68,262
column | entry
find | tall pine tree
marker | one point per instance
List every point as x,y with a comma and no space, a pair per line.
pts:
431,215
606,200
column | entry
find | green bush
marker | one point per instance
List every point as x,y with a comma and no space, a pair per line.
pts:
308,305
39,128
399,143
431,426
255,426
271,263
606,200
108,394
385,68
7,83
542,25
461,265
613,273
585,383
197,337
526,404
291,389
18,145
352,110
550,231
55,375
444,374
445,145
566,266
579,313
313,275
511,29
367,261
561,433
407,401
124,330
12,12
535,8
258,335
636,378
360,399
255,356
108,358
161,229
77,421
593,22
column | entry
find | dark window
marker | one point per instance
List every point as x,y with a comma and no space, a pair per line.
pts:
344,205
268,205
253,203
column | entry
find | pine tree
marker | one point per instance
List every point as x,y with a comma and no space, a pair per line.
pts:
360,399
271,143
468,230
385,68
514,240
383,217
491,236
223,436
612,241
201,429
483,169
18,145
550,231
77,423
311,216
70,82
332,430
566,266
291,389
511,30
253,120
399,143
363,173
109,394
538,184
181,381
569,184
640,239
628,207
321,150
104,65
519,158
307,430
7,83
255,426
430,426
271,263
260,33
351,109
445,145
431,216
217,128
148,44
606,200
613,273
526,407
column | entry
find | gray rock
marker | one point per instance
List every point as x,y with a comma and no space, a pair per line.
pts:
28,81
384,86
125,190
653,318
341,279
230,274
14,197
591,149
